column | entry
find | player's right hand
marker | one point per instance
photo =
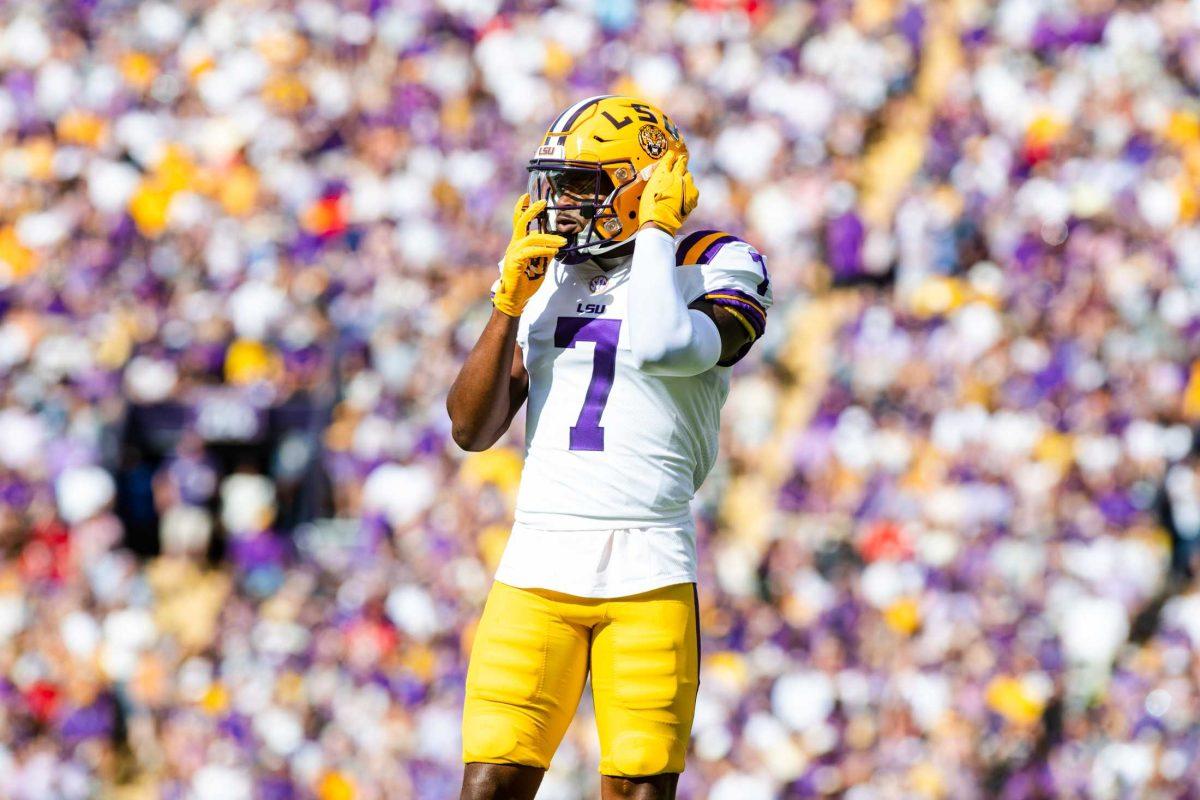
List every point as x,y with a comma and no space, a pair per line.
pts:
525,260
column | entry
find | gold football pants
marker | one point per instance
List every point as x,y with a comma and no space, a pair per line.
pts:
533,651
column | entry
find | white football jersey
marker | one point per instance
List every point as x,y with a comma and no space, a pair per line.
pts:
607,445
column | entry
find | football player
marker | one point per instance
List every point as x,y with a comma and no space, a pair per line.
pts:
620,332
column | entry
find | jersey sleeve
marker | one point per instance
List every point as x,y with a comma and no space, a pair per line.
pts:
733,275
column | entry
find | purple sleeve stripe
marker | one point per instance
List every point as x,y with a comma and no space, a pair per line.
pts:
725,298
713,248
701,247
738,294
688,242
753,312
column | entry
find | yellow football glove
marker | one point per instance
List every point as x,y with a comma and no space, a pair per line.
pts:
670,195
525,259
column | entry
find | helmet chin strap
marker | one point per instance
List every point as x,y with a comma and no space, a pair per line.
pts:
611,258
607,251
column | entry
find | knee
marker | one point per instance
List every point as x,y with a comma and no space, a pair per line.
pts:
652,787
640,754
489,737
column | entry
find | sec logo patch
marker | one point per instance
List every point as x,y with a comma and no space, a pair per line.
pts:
653,141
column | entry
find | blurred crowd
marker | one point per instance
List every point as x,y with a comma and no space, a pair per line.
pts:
244,244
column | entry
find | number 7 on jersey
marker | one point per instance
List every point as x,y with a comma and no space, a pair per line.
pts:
587,434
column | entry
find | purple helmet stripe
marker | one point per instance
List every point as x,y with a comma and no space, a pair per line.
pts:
568,117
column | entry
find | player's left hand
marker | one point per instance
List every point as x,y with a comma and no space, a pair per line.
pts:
670,195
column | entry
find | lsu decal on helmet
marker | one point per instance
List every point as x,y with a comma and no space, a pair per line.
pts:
593,164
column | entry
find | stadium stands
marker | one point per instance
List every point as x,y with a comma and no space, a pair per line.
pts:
244,244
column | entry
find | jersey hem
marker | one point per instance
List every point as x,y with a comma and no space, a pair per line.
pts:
625,589
547,521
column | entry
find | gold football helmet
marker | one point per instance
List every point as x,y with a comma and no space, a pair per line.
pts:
594,160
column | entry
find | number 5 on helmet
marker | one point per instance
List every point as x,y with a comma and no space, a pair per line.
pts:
525,259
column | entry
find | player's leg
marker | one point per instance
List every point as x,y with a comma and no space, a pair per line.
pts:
653,787
527,671
645,672
500,782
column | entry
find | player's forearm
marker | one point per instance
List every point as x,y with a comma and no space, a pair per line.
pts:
665,336
481,401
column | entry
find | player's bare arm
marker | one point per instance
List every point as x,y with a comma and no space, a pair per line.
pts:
490,387
492,384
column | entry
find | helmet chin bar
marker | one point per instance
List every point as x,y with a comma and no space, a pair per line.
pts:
598,213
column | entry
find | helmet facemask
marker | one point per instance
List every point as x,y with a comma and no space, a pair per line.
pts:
587,190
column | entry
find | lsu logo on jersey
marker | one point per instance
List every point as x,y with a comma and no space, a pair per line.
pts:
596,284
